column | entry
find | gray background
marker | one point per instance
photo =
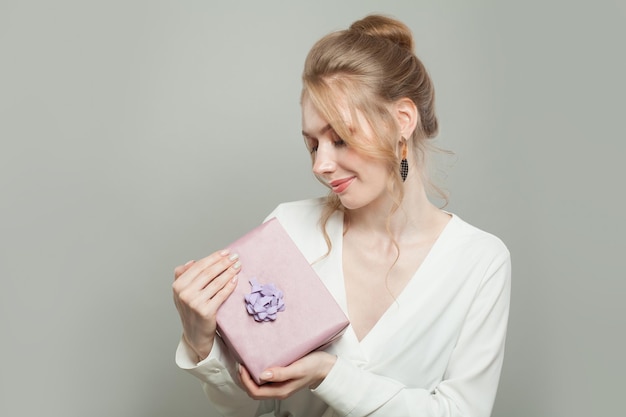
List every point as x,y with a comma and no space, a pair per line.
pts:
136,135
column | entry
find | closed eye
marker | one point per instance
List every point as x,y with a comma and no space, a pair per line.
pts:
339,143
311,144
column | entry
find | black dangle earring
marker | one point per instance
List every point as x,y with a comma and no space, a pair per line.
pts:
404,164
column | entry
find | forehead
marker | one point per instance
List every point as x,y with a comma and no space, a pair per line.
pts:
314,122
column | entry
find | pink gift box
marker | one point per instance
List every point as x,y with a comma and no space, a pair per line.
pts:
311,317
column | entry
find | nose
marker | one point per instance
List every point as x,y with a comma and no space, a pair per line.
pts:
324,159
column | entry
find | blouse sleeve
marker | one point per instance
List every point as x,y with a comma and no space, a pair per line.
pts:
217,375
469,385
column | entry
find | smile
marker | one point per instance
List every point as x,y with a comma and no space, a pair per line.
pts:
340,185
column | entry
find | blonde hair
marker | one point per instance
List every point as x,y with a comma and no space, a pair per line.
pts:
366,68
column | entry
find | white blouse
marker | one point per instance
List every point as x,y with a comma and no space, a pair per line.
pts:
437,351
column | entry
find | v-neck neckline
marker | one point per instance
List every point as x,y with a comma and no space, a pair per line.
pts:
400,299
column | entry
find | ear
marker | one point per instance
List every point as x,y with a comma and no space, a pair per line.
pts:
407,116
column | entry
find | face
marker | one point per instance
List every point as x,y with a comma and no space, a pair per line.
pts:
357,180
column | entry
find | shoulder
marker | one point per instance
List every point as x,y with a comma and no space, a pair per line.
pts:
473,257
477,243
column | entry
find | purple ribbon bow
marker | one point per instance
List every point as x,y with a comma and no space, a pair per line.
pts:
264,301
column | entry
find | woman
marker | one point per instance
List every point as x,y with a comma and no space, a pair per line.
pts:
427,294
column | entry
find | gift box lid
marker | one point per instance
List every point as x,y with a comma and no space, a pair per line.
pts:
289,312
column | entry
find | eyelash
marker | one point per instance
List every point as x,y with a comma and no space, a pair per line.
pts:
339,143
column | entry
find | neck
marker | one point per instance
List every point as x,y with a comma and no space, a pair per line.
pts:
411,220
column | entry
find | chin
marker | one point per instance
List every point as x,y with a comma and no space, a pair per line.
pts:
356,201
351,203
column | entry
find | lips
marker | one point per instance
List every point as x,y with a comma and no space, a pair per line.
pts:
338,186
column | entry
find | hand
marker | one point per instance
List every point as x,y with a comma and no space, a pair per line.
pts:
308,372
199,289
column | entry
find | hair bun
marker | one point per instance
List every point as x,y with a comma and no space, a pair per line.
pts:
385,27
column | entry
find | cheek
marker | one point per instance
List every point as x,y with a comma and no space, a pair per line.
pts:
350,157
373,169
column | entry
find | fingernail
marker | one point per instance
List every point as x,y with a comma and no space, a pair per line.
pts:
233,257
237,265
266,375
224,252
189,263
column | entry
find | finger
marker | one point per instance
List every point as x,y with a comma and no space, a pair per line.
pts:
271,390
208,260
280,374
207,301
213,278
205,270
258,392
184,274
246,380
249,383
243,373
229,279
225,280
218,268
181,269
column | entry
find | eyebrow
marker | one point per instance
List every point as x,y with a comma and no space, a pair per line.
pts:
322,131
